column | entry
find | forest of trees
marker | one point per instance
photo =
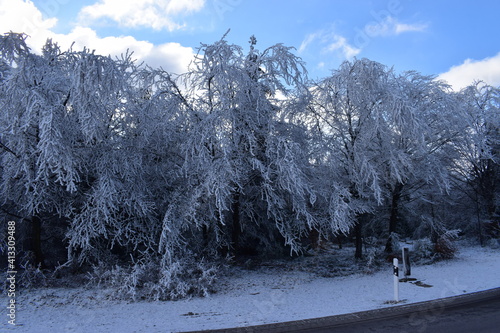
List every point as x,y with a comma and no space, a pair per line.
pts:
152,176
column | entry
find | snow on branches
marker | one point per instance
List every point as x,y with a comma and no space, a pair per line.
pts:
124,163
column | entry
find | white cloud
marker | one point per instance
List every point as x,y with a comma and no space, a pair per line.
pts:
23,16
176,56
173,57
308,40
155,14
487,70
388,26
340,43
391,26
403,27
331,42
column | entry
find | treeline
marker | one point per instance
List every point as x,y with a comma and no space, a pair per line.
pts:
109,163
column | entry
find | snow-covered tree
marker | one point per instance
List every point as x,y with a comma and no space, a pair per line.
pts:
89,144
37,167
423,133
380,133
477,167
247,181
106,161
348,111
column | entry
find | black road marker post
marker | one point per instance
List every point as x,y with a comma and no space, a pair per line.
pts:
406,262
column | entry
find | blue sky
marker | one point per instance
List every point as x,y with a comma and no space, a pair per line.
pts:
457,40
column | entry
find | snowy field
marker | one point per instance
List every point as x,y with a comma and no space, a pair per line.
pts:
251,297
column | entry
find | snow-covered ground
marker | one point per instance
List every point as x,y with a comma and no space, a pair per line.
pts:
253,297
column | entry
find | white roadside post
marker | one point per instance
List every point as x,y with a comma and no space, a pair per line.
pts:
396,279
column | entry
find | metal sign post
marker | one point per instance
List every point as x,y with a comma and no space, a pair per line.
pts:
406,262
396,279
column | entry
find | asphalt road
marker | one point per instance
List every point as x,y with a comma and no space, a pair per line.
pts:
482,317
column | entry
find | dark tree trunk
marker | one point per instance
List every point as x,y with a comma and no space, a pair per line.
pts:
36,241
206,235
393,219
479,222
339,241
314,238
490,192
236,224
434,230
358,228
358,233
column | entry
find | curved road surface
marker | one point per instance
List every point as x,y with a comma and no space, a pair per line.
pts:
482,317
471,313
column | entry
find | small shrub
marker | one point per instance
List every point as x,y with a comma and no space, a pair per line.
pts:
492,229
32,277
374,259
395,242
423,251
494,243
444,246
149,280
27,277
